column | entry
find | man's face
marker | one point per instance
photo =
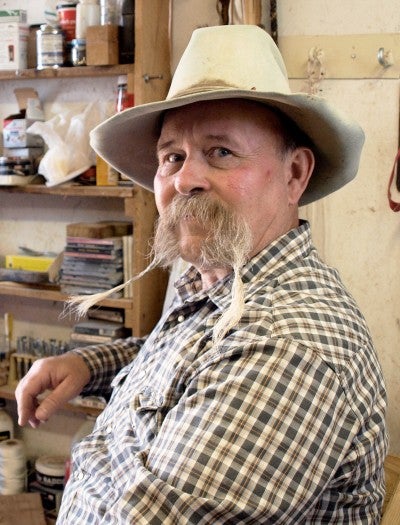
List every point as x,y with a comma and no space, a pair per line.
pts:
232,151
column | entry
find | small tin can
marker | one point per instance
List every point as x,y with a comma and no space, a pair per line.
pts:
50,47
78,52
7,165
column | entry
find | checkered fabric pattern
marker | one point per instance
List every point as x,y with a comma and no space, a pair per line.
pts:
282,423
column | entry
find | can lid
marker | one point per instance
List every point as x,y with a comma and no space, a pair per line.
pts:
66,5
51,465
47,28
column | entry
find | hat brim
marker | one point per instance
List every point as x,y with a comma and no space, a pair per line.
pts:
127,140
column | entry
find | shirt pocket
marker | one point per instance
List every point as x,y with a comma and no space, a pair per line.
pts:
146,413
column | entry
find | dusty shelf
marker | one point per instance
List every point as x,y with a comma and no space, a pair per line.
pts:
67,72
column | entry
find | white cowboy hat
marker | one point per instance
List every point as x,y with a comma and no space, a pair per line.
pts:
234,61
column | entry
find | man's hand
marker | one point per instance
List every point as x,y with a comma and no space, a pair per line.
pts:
64,375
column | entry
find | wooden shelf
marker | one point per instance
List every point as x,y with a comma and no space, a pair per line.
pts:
8,392
67,72
74,190
49,293
149,78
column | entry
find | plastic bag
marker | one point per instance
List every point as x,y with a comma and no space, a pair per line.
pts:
67,137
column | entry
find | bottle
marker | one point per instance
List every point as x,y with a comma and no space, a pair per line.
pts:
6,423
127,33
124,98
110,12
87,14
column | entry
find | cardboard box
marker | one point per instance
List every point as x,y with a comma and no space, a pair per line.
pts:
15,126
13,45
21,509
15,134
13,15
28,262
102,45
105,174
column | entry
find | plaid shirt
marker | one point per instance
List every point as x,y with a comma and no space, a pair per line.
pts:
282,423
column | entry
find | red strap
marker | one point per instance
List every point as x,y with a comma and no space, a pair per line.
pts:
395,206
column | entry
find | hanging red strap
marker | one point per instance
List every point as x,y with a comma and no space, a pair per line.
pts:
395,206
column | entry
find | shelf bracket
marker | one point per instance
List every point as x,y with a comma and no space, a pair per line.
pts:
148,77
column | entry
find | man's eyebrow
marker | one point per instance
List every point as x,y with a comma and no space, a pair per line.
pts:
219,138
164,145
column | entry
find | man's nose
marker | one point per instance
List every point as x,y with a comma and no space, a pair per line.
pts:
192,177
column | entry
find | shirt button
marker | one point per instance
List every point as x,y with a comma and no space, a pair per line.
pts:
79,475
109,429
181,318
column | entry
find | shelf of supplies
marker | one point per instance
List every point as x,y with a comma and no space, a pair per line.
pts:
8,392
67,72
73,190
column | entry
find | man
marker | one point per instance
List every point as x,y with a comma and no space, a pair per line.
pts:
258,398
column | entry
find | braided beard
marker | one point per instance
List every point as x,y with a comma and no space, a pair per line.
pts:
226,245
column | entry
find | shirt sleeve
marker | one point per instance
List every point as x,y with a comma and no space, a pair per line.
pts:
257,437
106,360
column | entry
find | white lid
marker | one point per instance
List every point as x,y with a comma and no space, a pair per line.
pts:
51,465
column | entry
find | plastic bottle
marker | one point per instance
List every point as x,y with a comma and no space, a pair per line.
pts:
6,423
125,99
87,14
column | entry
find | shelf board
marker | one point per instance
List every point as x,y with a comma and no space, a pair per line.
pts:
8,392
49,293
67,72
74,190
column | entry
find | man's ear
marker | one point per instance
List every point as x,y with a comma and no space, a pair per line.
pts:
301,162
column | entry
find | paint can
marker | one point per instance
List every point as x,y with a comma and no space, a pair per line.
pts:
50,471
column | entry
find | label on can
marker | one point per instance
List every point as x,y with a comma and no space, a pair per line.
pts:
50,47
66,14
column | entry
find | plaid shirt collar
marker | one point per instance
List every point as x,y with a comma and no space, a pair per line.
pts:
279,255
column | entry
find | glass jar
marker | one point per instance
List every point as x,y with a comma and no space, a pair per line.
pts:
78,52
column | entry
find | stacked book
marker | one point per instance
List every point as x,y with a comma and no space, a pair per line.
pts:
94,257
95,331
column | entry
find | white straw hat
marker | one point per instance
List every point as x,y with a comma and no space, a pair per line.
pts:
234,61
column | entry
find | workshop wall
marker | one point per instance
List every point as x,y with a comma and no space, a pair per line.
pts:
354,229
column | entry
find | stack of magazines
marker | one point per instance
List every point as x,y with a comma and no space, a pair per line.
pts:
94,263
95,331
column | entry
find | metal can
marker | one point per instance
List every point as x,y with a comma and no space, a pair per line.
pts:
7,165
66,14
50,47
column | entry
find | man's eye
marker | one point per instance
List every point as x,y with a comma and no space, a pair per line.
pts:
173,157
220,152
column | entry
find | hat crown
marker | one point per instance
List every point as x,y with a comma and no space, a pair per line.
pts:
230,57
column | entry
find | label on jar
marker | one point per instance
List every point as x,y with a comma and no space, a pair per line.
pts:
50,50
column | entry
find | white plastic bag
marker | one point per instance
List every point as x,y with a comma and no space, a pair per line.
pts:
67,137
